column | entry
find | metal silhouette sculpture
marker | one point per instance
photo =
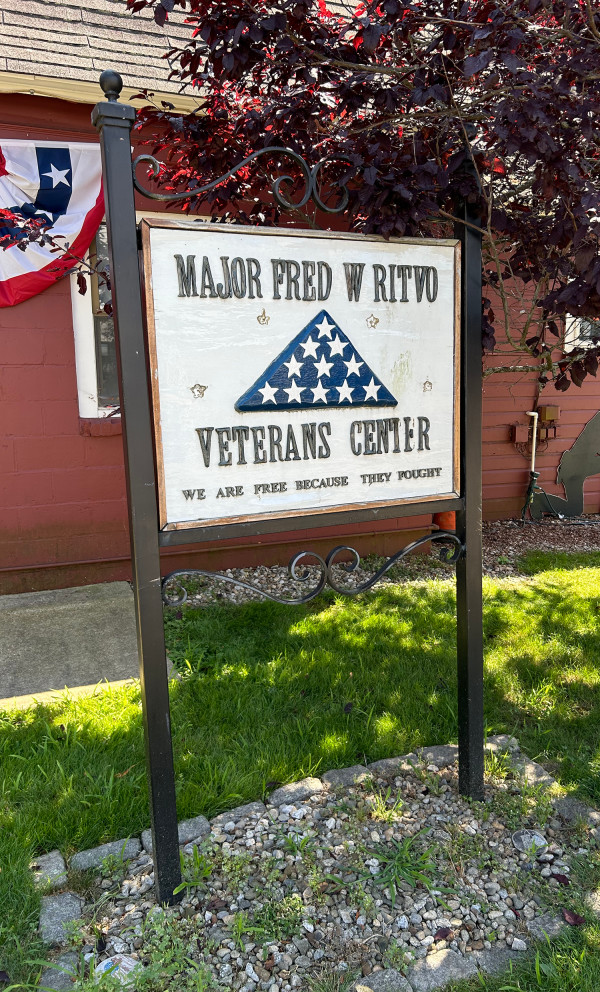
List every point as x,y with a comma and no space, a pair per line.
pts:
577,464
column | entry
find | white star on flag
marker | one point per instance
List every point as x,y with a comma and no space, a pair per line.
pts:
336,346
353,366
324,328
294,393
323,366
268,393
319,393
57,176
345,392
310,347
293,367
371,390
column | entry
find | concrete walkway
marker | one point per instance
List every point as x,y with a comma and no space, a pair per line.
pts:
66,638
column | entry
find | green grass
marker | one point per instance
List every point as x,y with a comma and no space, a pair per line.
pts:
273,693
570,964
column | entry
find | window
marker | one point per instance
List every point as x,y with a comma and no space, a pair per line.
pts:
95,351
582,332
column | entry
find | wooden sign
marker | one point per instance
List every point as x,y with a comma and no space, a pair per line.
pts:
293,372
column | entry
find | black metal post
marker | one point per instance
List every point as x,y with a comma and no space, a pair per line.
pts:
468,519
114,122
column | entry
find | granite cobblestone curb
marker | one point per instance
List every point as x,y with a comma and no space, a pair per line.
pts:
432,969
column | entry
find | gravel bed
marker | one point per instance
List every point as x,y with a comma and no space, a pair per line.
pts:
281,894
504,542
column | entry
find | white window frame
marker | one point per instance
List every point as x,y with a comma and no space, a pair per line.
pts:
85,345
573,333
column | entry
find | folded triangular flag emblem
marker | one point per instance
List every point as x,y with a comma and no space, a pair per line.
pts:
319,368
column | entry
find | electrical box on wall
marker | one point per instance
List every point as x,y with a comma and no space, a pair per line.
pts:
549,414
520,433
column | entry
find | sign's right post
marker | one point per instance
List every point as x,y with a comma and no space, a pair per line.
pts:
468,519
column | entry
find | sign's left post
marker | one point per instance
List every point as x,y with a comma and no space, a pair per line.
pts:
114,122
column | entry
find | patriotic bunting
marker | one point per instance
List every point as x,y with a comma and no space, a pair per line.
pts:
61,183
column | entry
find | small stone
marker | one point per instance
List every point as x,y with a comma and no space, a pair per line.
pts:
55,912
256,809
390,767
546,925
440,968
346,776
187,831
93,858
49,870
441,755
518,944
382,981
295,792
62,976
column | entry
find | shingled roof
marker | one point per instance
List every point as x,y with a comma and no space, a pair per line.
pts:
60,47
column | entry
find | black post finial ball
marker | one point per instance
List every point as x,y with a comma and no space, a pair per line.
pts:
111,84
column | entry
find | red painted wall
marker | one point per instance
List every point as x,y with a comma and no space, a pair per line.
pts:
506,400
63,517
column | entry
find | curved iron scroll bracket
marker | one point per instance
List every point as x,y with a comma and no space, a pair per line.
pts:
299,573
311,177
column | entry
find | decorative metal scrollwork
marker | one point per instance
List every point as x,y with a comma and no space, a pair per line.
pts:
311,178
326,577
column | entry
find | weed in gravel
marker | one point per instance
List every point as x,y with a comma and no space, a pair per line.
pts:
463,848
429,779
235,868
331,981
528,804
394,955
363,899
169,955
384,807
278,919
497,765
401,861
239,925
194,871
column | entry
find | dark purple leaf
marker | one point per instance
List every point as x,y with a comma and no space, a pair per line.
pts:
4,979
578,372
475,63
160,16
371,36
591,364
562,879
572,918
512,62
444,933
81,283
348,707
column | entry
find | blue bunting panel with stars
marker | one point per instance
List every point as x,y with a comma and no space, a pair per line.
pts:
319,368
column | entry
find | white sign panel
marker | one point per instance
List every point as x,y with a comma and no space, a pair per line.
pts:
293,373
